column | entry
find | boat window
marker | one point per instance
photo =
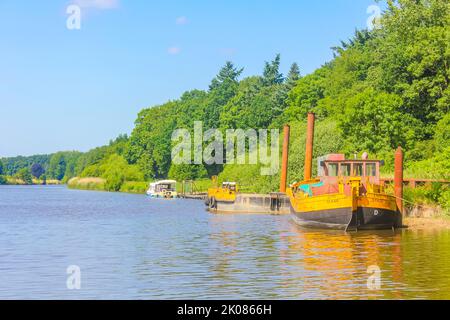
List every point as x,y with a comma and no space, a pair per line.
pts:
357,169
332,169
345,169
168,187
371,170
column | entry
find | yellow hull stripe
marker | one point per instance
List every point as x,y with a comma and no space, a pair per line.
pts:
338,201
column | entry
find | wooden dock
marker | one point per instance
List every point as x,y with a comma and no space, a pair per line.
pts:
193,196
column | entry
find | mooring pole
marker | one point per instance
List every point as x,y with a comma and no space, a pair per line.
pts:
309,147
398,181
285,159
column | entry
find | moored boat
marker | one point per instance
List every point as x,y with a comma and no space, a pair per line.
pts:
347,194
228,199
163,189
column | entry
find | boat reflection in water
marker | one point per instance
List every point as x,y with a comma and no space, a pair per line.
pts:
292,262
341,262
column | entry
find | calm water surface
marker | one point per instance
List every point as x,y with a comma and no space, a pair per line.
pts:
131,247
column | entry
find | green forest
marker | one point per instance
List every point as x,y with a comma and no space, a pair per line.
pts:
384,88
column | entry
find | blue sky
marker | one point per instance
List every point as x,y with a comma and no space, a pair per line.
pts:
64,89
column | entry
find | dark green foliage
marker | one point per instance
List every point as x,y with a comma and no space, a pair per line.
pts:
57,166
37,170
12,165
271,73
223,87
372,122
293,76
442,133
254,106
187,172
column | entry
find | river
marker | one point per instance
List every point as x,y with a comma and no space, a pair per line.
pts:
132,247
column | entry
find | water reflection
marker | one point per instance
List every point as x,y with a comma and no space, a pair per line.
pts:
333,264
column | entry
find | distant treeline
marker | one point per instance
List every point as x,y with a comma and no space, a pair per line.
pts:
384,88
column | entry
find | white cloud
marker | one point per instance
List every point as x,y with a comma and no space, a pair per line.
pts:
97,4
174,50
182,20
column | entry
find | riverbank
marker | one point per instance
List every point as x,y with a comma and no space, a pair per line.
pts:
436,223
19,182
100,184
139,187
427,217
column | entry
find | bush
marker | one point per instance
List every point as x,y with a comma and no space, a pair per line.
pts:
134,187
437,193
437,167
115,170
444,201
187,172
442,134
24,174
3,180
114,179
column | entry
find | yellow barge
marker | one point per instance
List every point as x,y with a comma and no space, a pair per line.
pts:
347,194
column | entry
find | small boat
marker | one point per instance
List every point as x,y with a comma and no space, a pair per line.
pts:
347,194
163,189
226,193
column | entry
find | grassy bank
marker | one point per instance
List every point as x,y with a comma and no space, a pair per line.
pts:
437,222
20,182
97,184
100,184
134,187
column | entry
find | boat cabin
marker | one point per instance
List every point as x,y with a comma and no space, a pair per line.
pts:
232,186
163,189
332,167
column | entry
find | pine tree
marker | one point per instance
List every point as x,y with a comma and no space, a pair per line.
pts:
228,73
293,76
271,73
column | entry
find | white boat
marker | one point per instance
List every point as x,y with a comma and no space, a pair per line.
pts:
163,189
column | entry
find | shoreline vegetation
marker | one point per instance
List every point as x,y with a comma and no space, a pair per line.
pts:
35,182
100,184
